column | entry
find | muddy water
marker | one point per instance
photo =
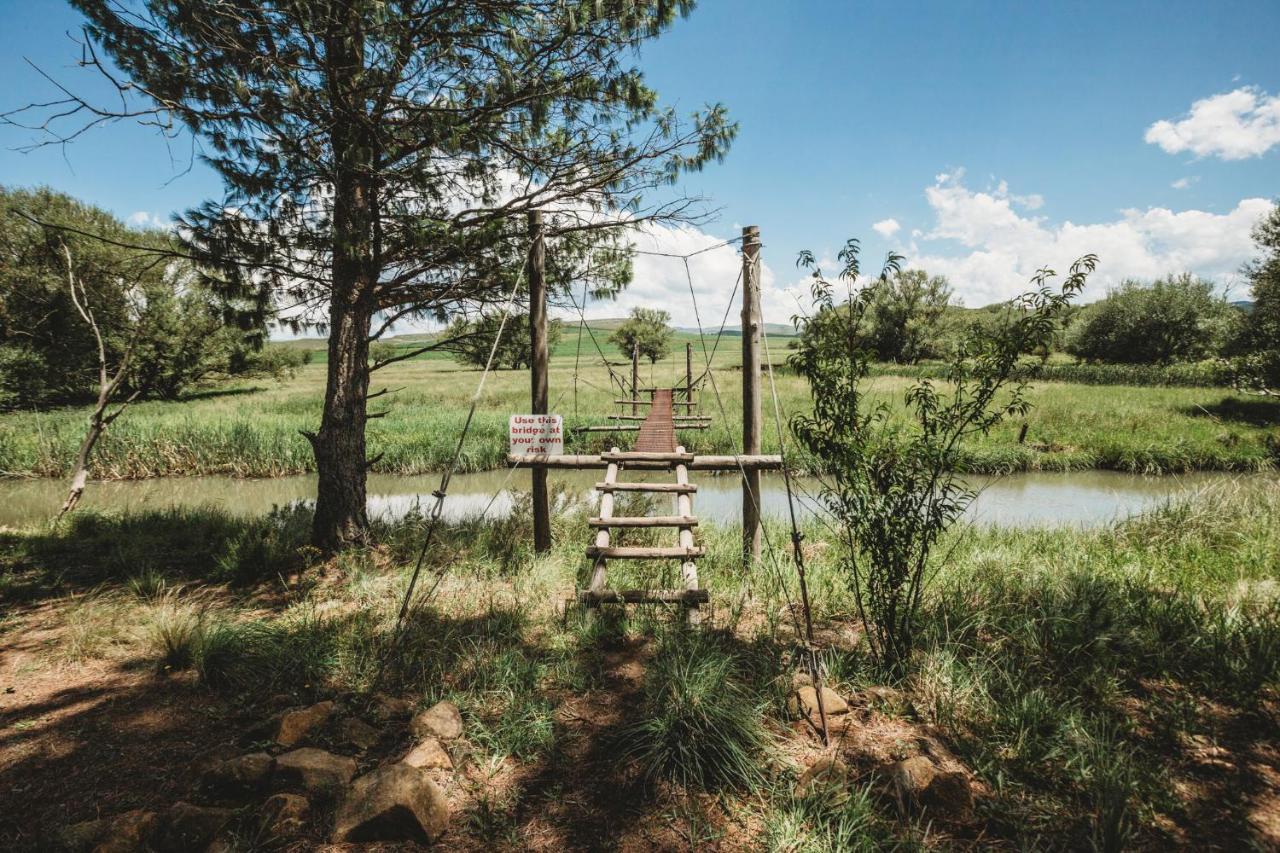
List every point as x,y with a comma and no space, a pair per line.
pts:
1021,500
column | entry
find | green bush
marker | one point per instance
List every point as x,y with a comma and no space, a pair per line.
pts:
1197,374
22,376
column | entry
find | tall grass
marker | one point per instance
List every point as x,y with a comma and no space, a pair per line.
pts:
254,430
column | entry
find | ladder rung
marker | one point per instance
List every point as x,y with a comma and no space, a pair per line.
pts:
639,552
638,456
646,596
645,521
678,488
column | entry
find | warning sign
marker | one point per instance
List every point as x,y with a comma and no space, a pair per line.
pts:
536,434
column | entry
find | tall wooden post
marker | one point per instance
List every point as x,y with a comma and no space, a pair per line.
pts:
635,375
752,419
688,376
538,372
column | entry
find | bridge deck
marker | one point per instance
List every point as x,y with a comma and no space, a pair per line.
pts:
658,432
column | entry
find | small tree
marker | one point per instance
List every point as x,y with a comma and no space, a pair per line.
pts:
1175,318
647,330
907,316
1257,363
893,487
471,341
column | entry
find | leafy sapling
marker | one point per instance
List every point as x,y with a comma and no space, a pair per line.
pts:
891,482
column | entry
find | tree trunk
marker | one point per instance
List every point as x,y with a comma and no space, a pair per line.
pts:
80,475
341,519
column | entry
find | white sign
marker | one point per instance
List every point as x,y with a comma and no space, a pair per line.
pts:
536,434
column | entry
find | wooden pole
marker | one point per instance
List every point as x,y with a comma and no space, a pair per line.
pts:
635,375
688,373
538,372
752,418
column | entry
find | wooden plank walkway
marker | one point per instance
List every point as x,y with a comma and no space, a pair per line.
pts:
658,432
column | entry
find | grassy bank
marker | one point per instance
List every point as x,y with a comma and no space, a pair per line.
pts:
1113,688
253,430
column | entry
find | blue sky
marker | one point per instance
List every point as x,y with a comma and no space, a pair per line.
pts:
996,136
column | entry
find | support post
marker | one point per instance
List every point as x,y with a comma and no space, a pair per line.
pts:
635,375
538,372
688,376
752,419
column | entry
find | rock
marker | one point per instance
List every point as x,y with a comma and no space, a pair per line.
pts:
805,704
296,725
123,833
828,771
393,803
385,707
247,774
358,733
921,784
885,695
441,720
314,770
429,755
284,816
187,827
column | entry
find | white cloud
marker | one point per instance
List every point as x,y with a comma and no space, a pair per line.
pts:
147,219
1005,248
886,228
1184,183
1234,125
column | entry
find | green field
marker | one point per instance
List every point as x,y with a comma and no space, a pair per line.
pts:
252,429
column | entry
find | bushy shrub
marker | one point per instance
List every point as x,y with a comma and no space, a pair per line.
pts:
1176,318
22,376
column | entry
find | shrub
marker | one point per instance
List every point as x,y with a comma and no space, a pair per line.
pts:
22,376
1176,318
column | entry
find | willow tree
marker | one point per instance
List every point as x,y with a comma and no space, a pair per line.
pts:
378,155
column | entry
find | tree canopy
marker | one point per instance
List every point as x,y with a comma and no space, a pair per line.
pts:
143,299
378,158
1257,366
645,330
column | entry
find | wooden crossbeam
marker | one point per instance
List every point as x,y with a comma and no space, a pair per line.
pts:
644,521
643,552
751,462
646,487
646,596
650,403
646,456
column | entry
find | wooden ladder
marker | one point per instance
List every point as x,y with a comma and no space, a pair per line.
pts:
684,521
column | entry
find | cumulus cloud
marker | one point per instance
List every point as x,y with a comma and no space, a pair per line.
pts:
1234,125
147,219
1184,183
1000,248
886,228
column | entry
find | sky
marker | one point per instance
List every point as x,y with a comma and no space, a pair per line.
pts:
982,140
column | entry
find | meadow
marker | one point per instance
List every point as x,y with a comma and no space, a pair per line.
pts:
1111,689
252,429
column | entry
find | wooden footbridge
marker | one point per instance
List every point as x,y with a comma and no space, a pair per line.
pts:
657,448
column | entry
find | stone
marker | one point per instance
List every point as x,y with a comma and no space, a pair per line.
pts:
922,785
393,803
441,720
123,833
429,755
314,770
296,725
805,704
885,695
384,707
247,774
189,827
284,816
358,733
828,771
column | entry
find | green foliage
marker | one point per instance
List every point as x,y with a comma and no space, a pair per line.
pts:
1210,373
1257,362
893,486
143,300
1175,318
646,329
699,725
471,341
